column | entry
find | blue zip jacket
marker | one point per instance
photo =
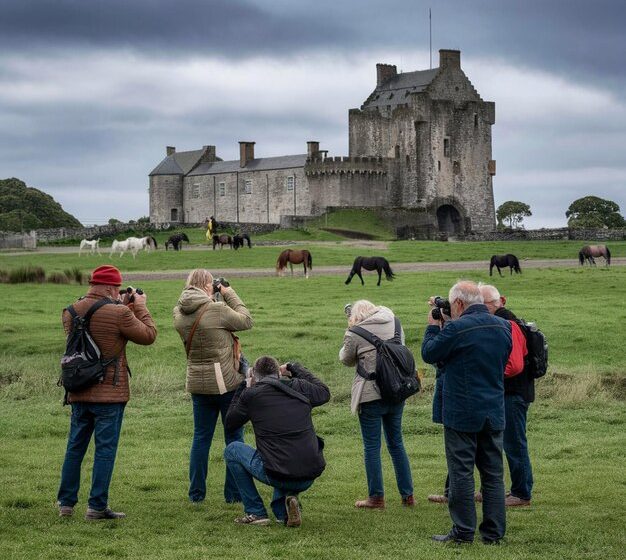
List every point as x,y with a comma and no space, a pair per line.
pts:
474,350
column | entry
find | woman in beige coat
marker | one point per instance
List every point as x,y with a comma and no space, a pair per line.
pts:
212,370
375,415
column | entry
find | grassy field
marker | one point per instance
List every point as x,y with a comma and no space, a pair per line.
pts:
576,429
324,254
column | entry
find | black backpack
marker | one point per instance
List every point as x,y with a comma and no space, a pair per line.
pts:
82,365
395,366
536,361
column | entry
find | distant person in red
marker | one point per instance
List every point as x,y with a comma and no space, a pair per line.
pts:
98,410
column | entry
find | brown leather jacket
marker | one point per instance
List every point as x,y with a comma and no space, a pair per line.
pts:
111,327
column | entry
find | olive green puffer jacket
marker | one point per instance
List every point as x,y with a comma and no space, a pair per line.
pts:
210,366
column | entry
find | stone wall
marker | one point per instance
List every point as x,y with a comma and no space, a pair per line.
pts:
10,240
93,232
166,198
550,235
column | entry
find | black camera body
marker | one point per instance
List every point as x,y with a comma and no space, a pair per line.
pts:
218,283
129,291
442,307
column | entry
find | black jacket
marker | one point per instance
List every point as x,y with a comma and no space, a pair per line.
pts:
524,383
282,424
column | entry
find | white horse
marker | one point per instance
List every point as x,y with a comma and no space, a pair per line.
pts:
94,246
134,245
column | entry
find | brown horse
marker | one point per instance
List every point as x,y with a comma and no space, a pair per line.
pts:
291,257
222,240
588,252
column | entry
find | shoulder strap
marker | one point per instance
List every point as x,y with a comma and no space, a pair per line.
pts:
371,338
285,389
397,329
100,303
70,309
193,330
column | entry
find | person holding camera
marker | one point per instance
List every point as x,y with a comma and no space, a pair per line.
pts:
374,413
99,408
214,368
472,349
277,400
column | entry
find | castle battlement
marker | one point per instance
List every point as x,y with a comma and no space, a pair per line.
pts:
316,166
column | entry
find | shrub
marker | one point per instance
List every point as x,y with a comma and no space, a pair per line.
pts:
59,278
27,274
4,276
75,274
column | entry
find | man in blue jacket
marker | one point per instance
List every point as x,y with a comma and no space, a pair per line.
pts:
472,350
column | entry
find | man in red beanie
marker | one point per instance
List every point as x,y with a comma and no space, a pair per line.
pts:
99,409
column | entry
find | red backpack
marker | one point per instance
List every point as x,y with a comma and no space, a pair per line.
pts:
515,363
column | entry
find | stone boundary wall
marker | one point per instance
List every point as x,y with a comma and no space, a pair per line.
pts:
93,232
10,240
550,234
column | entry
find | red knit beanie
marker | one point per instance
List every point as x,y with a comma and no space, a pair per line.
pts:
106,274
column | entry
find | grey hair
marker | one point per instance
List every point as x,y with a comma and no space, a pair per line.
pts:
490,291
199,278
466,291
361,310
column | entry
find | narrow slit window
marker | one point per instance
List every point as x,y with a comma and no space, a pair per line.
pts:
290,183
248,186
446,147
222,189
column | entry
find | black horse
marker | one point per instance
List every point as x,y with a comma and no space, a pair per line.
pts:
239,241
176,241
502,261
371,263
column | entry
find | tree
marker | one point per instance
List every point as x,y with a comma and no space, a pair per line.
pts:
512,212
594,212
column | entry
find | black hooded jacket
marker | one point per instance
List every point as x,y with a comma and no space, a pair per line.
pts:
282,423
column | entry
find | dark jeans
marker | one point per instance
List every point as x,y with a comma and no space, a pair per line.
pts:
206,409
245,464
105,422
516,446
372,416
483,449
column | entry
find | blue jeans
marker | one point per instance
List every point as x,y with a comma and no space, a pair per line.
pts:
371,416
245,464
206,409
516,446
483,449
105,422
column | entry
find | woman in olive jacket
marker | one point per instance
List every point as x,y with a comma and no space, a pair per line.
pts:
212,371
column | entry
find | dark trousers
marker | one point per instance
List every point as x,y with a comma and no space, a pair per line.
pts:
483,450
206,409
516,446
105,422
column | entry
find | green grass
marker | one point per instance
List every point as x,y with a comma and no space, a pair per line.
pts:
324,254
576,429
354,220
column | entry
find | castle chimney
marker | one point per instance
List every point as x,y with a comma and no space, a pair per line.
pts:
312,148
246,153
208,154
169,150
385,72
449,58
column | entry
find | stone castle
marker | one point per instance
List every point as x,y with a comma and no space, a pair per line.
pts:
420,144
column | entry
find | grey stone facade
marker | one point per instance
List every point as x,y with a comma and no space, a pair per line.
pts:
421,140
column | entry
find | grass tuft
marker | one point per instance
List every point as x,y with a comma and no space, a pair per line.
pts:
27,274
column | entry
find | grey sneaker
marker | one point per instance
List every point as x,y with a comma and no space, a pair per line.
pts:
66,511
108,513
294,517
251,519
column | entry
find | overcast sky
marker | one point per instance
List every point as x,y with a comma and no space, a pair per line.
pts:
92,92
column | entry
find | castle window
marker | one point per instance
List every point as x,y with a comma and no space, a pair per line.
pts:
408,163
195,191
446,147
475,120
222,188
438,166
397,151
248,186
290,182
391,95
174,215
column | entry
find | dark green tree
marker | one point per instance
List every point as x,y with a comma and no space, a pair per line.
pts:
512,212
594,212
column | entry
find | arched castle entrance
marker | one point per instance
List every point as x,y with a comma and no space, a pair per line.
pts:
449,220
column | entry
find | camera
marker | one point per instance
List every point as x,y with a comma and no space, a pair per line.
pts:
347,309
129,291
218,283
442,307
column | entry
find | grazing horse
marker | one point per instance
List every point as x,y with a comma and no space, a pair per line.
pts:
93,245
588,252
239,239
291,257
222,240
502,261
371,263
133,244
176,241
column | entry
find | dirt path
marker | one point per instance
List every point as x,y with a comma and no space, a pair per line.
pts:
343,270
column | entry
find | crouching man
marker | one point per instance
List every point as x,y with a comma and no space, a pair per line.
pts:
289,455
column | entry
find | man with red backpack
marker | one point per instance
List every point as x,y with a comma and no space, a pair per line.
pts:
519,392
